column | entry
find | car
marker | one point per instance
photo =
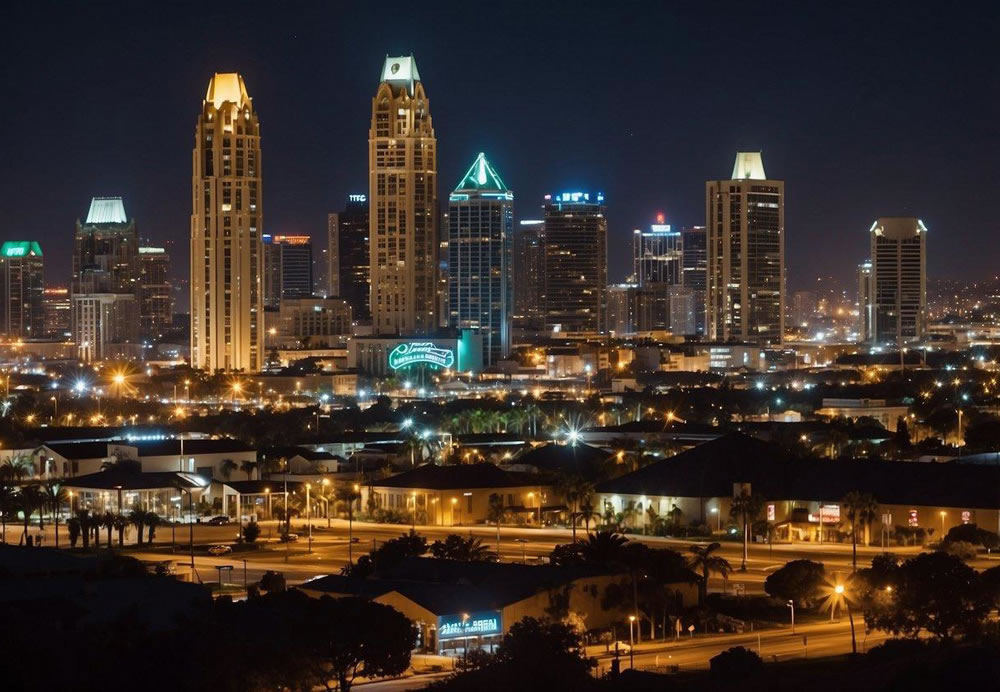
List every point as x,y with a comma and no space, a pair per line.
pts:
220,549
620,647
218,521
289,537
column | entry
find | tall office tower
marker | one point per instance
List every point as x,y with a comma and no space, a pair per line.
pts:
227,301
576,261
480,272
745,217
443,313
21,290
57,309
684,310
529,274
402,189
865,301
898,279
155,300
694,269
805,306
620,309
656,255
350,256
287,268
105,306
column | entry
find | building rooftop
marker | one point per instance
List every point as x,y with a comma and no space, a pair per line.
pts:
578,458
401,71
20,248
226,87
135,480
749,165
462,476
481,177
107,210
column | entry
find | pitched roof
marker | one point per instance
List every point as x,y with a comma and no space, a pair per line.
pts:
457,477
711,469
107,210
135,480
481,177
579,458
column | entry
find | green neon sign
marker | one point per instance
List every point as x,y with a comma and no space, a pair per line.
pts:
415,352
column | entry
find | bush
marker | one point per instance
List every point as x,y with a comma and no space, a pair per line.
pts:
960,549
798,580
272,581
251,532
391,516
735,663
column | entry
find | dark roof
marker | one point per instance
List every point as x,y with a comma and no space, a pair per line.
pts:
579,458
82,450
172,447
259,487
22,561
96,432
711,469
655,426
134,480
303,452
433,477
487,439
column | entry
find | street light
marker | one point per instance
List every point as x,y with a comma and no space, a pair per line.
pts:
718,522
943,514
791,604
631,642
309,516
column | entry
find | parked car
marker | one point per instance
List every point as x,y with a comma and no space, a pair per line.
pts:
220,549
289,537
219,520
621,647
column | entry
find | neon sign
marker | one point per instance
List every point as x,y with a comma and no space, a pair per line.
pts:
469,625
415,352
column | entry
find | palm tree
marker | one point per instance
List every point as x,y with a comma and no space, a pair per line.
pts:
83,520
573,489
121,523
152,521
55,494
108,522
603,548
859,507
746,506
702,560
8,503
17,468
248,467
495,514
30,499
226,468
588,514
455,547
122,464
138,519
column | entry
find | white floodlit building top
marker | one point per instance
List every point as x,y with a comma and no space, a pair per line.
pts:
401,71
227,86
749,164
107,210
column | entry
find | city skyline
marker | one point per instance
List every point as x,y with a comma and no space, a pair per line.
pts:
895,161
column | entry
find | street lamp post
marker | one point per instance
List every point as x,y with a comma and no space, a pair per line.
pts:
631,642
413,496
943,514
309,516
718,520
840,591
791,604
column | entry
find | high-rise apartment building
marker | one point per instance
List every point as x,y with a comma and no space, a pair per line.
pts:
656,255
155,300
694,269
745,218
21,290
898,280
227,300
529,274
349,259
402,191
576,262
480,273
288,268
105,287
57,309
865,301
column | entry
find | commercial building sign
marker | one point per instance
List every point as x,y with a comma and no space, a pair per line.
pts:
828,514
415,352
469,625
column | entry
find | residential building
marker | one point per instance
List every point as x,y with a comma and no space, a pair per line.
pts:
402,190
57,308
288,268
745,218
227,300
576,262
105,288
349,267
155,301
865,302
685,307
694,269
21,290
898,280
529,274
657,255
480,276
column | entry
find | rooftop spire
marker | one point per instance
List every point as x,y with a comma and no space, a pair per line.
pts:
227,86
481,177
749,164
107,210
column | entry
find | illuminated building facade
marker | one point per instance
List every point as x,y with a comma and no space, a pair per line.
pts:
576,262
155,302
21,290
898,280
865,301
288,268
694,270
57,308
529,274
227,307
402,191
656,255
745,218
349,260
480,273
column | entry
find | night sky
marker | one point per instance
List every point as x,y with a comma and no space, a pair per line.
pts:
863,112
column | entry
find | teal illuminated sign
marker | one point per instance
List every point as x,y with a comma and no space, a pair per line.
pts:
415,352
469,625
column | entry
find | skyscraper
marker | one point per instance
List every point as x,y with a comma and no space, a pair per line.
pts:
480,274
656,255
745,218
898,280
155,301
21,290
105,306
402,190
227,307
287,268
349,256
529,274
694,270
576,262
865,301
